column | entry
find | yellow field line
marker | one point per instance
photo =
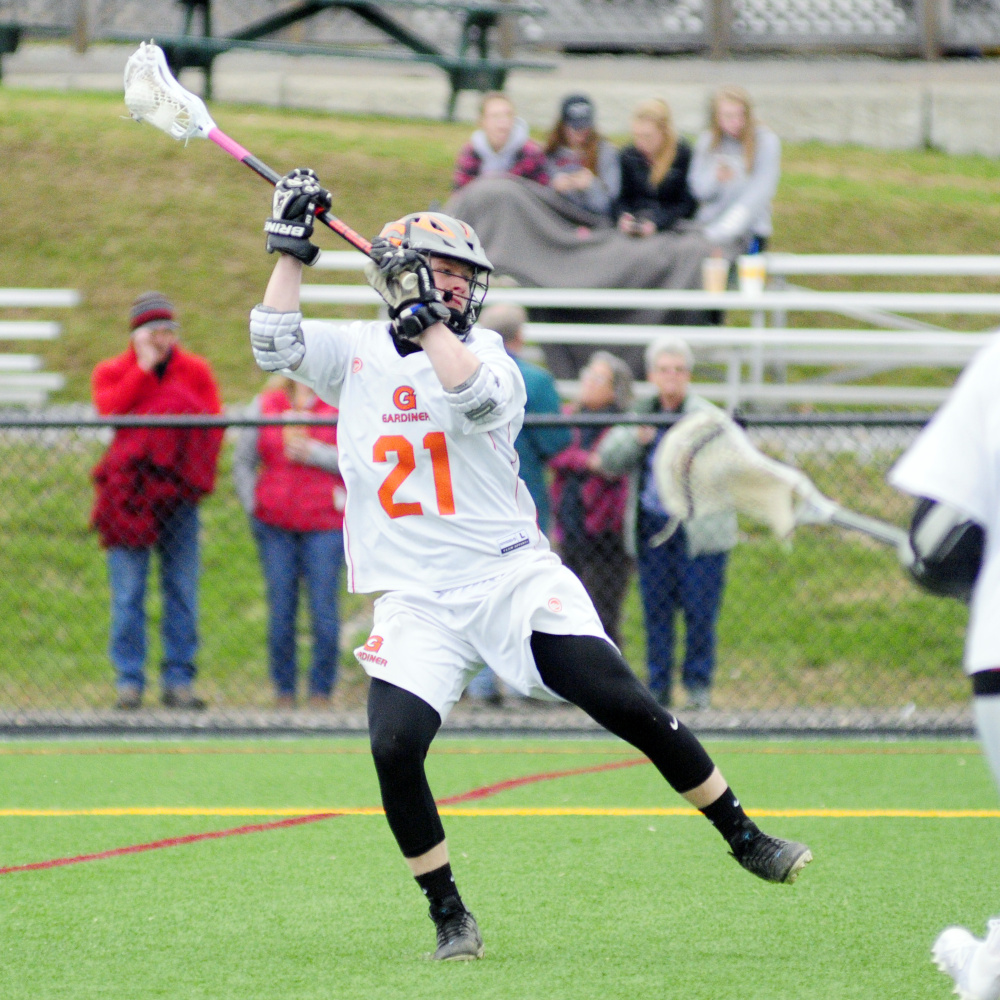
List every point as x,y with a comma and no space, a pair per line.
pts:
555,751
619,811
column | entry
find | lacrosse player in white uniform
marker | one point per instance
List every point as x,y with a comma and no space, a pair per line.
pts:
436,516
955,461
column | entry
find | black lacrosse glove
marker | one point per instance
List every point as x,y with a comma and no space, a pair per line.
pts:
298,198
404,279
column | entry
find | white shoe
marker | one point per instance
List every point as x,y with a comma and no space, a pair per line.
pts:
974,964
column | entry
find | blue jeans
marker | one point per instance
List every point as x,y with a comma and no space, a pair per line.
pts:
286,557
671,580
128,569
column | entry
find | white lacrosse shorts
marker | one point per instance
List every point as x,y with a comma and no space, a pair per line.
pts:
432,644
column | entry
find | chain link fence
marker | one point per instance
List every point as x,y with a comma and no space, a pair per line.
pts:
823,633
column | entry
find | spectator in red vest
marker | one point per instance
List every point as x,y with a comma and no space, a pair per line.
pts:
148,486
288,482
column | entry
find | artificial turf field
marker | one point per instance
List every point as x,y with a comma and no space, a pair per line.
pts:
586,873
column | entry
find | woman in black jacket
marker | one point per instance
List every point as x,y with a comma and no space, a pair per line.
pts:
654,192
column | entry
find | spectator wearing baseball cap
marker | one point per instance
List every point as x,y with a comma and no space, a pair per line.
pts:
147,489
583,166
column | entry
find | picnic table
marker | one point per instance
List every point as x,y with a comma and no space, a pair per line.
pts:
474,65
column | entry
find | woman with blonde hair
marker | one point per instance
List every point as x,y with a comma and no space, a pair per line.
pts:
654,194
734,173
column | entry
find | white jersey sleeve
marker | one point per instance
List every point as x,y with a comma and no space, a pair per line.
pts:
502,381
327,354
956,459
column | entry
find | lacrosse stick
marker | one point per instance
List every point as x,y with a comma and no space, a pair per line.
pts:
153,95
706,464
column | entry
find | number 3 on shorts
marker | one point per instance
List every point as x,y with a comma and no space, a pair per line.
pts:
406,462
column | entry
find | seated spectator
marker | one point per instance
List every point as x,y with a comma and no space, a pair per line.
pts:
654,190
589,506
582,165
500,146
734,174
288,483
687,572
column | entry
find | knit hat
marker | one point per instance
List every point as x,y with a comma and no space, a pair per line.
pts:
578,111
151,307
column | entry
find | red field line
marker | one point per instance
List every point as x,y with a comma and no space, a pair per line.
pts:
192,838
530,779
155,845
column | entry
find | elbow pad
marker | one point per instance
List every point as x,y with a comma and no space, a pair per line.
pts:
946,548
478,396
276,339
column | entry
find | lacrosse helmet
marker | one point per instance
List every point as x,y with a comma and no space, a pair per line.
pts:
433,233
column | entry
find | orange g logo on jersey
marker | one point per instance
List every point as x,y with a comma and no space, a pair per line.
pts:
374,643
555,605
404,398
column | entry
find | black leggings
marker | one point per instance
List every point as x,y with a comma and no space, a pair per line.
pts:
585,670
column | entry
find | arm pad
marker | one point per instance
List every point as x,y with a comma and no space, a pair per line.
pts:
478,396
276,339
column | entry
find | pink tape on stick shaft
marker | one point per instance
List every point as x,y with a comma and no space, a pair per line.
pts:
233,148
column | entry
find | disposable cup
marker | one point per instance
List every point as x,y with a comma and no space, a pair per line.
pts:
714,274
751,273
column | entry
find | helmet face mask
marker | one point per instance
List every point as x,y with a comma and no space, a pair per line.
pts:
433,234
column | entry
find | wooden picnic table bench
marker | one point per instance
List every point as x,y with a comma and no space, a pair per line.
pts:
472,66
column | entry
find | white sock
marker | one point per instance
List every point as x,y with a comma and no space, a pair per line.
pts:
987,712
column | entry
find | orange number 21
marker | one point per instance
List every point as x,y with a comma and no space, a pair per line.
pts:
406,462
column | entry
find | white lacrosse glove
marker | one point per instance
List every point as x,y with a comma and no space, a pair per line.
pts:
298,198
403,278
276,339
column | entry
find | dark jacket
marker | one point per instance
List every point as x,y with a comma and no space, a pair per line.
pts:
666,204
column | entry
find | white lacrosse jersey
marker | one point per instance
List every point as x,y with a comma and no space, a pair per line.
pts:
956,459
434,501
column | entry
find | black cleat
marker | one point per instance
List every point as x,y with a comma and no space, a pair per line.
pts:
458,937
769,858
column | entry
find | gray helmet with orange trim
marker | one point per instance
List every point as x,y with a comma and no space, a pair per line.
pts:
433,233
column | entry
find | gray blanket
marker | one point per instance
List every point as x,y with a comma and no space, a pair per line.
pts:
533,235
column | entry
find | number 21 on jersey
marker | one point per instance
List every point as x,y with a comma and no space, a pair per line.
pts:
406,461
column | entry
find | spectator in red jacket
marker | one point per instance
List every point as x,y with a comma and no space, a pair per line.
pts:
148,485
500,147
288,481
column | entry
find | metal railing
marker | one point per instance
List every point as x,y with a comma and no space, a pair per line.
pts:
826,633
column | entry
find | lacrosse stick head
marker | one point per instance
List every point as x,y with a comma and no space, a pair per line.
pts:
705,464
153,95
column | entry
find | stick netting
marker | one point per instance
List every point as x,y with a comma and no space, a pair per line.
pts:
706,464
153,95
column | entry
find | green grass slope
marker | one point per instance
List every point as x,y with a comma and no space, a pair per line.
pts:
92,201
